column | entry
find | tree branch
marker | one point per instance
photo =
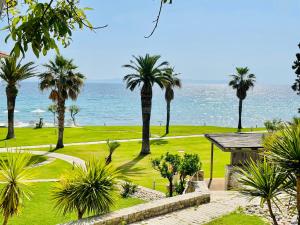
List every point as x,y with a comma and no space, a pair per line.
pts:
156,20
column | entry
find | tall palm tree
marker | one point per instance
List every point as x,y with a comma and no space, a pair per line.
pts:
13,72
169,93
284,148
64,82
14,172
242,82
89,189
146,72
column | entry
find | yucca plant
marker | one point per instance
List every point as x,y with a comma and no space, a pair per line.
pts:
90,189
111,147
262,180
14,172
284,150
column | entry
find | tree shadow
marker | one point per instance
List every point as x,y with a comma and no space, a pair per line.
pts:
159,142
127,168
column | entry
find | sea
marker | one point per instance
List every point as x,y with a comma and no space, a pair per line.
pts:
194,104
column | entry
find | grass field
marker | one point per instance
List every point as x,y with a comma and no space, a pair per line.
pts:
126,158
30,136
238,219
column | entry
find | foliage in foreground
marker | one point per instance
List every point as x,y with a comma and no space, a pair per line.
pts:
14,172
262,180
90,189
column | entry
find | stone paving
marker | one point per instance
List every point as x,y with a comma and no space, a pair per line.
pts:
222,203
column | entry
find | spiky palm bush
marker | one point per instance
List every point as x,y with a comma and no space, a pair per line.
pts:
111,147
90,189
262,180
14,172
284,150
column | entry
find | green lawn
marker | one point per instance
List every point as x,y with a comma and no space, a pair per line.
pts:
30,136
139,169
39,210
238,219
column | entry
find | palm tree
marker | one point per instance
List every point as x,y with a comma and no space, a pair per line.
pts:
14,171
242,82
89,189
64,83
169,93
146,72
13,72
111,146
284,148
74,110
53,109
262,180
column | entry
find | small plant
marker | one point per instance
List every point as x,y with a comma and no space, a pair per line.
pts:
190,164
53,109
262,180
128,189
74,110
91,189
111,147
14,172
168,165
274,125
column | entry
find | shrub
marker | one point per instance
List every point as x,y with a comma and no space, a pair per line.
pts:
274,125
128,189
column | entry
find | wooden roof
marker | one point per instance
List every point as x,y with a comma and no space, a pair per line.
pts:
2,54
230,142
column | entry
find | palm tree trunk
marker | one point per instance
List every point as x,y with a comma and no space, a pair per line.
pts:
61,122
240,114
171,187
298,198
271,212
168,116
146,100
11,94
108,159
5,220
80,214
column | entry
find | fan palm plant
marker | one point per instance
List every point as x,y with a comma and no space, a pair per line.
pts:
111,146
74,110
242,82
14,172
169,93
64,82
89,189
147,71
262,180
12,73
53,109
284,150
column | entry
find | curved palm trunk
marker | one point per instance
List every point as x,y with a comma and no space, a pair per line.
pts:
146,100
61,122
240,114
11,94
271,212
298,198
168,116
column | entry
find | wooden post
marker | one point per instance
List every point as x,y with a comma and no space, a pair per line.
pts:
211,164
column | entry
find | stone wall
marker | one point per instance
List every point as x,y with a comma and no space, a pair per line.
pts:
147,210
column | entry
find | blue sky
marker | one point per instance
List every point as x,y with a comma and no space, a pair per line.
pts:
204,39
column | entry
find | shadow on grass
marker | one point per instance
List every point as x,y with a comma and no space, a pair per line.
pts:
127,168
159,142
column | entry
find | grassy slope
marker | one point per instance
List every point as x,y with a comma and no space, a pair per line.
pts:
30,136
139,169
39,211
237,219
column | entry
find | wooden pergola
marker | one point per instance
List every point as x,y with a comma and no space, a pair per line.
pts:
242,146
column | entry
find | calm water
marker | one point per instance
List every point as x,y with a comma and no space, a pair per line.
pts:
112,104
